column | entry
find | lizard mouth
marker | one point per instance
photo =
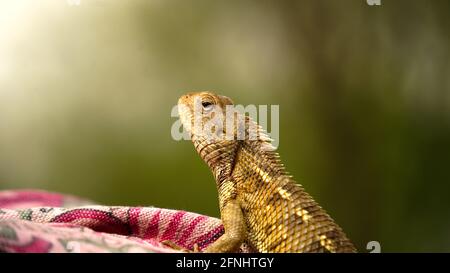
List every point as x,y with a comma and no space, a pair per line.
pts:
185,115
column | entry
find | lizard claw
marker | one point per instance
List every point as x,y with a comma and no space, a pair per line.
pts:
196,248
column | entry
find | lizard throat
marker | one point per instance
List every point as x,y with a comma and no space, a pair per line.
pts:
220,156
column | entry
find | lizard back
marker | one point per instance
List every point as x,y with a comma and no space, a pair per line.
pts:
280,215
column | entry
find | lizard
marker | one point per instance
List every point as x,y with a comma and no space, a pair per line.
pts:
260,203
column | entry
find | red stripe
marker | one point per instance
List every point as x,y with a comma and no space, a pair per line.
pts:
208,238
45,199
171,229
153,227
188,232
134,214
103,221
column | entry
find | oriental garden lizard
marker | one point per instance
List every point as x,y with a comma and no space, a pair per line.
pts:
260,204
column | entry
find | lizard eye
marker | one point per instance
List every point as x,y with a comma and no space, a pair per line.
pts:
207,105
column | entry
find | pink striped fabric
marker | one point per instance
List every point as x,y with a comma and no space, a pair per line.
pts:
39,221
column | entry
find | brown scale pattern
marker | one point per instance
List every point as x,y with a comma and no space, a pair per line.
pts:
280,215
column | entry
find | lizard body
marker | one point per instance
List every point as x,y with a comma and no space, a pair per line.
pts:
259,202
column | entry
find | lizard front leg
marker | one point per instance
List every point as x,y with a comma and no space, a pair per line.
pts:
235,229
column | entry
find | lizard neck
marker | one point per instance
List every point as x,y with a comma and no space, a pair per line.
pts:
223,155
220,156
254,162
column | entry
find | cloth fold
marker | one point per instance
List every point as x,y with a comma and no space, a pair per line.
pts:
39,221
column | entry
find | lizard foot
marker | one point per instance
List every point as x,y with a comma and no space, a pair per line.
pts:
177,247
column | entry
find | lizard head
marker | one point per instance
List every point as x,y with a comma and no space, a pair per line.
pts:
212,117
202,113
218,130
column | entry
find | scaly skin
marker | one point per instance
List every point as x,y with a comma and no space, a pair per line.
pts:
260,204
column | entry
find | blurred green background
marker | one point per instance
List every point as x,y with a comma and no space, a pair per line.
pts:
364,92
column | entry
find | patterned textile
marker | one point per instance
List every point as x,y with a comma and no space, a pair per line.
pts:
38,221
